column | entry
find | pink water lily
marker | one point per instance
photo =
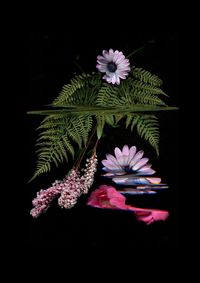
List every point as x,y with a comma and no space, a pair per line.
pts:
114,64
127,160
108,197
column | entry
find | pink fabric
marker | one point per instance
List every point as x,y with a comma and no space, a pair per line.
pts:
107,197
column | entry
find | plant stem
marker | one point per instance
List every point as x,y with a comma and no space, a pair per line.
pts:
135,51
95,147
78,161
78,66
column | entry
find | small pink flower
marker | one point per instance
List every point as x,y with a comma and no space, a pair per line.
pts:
107,197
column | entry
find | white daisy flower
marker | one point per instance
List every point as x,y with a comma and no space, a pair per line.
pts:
114,64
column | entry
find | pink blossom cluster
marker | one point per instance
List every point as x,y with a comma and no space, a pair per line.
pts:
88,178
44,198
69,189
76,185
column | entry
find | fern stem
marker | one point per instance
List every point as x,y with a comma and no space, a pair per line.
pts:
125,93
135,51
78,161
78,66
95,147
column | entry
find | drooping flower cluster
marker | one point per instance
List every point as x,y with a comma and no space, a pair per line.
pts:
69,189
88,178
76,185
44,198
114,64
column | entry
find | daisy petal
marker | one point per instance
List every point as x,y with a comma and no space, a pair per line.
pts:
101,59
114,80
101,68
117,80
108,55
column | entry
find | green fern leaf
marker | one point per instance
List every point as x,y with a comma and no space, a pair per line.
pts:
146,77
146,98
145,87
69,89
54,142
107,96
147,128
80,90
110,120
100,125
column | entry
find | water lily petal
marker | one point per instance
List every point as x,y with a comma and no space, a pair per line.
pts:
110,165
118,153
137,157
140,163
154,180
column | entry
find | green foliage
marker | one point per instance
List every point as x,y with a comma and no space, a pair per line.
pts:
140,88
58,138
147,127
80,91
146,77
61,131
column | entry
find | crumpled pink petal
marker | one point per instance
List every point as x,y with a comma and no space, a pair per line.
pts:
108,197
149,215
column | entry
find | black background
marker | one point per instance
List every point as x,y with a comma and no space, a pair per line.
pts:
51,64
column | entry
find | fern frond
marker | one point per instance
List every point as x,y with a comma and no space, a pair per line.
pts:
146,98
147,127
109,119
145,87
55,141
129,119
72,93
107,96
66,145
146,77
85,124
100,125
69,89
